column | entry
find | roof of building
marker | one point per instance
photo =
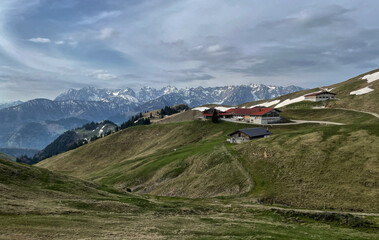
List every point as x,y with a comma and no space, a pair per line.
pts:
318,93
254,132
250,111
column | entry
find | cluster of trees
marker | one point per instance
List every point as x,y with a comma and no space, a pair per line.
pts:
172,110
25,159
93,125
90,126
135,121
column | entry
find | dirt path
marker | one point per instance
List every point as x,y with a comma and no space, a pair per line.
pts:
260,206
301,210
373,114
294,122
320,122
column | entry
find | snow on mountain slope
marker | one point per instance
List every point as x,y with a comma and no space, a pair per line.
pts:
371,77
267,104
362,91
290,101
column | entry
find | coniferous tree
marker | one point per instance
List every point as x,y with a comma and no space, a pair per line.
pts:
215,116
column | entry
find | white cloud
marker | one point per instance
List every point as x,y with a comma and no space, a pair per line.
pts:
100,16
59,42
40,40
102,75
105,76
105,33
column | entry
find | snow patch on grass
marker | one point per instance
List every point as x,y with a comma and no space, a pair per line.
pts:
201,109
290,101
371,77
362,91
267,104
222,109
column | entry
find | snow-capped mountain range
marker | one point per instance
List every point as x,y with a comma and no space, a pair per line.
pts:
148,98
117,105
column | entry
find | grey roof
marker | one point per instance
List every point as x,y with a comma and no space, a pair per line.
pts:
253,132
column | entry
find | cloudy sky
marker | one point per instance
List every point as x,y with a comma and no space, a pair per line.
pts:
49,46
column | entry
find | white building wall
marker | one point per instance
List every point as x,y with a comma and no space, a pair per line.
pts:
264,120
324,97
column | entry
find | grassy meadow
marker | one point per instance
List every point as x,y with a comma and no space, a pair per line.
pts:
39,204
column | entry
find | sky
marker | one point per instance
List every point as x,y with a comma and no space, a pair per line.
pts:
49,46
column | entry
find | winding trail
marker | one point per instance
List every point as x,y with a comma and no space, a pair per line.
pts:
353,110
294,122
261,206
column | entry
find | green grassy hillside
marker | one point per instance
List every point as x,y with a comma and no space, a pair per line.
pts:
182,159
39,204
327,114
190,159
334,167
367,102
26,189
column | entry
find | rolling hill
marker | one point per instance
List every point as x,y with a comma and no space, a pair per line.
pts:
40,204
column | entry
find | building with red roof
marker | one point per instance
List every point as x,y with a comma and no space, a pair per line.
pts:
258,115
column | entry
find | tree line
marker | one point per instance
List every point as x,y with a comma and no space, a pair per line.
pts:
167,110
